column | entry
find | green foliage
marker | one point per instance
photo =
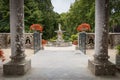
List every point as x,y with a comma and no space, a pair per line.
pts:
118,49
66,37
36,12
114,13
53,39
32,14
73,37
4,16
83,11
41,12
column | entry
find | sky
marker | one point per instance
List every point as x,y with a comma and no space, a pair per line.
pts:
61,6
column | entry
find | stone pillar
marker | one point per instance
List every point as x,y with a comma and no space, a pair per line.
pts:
36,36
18,64
100,65
82,41
41,46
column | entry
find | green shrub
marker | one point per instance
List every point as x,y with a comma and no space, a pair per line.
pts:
118,49
73,37
53,39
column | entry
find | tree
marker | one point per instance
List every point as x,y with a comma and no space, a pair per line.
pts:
4,16
50,18
83,11
36,11
32,14
114,13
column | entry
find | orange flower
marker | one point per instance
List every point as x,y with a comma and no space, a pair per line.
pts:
83,27
36,27
75,42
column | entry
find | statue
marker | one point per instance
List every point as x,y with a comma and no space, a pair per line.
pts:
59,35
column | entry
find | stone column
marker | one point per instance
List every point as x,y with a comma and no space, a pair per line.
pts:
82,41
18,64
36,36
100,65
41,41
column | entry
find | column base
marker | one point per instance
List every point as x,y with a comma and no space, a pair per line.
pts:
100,69
16,68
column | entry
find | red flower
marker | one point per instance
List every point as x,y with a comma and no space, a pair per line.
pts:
36,27
75,42
83,27
1,55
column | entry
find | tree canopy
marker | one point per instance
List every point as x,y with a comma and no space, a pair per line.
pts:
83,11
36,12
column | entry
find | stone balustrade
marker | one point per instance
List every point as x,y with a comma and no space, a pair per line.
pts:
114,39
5,40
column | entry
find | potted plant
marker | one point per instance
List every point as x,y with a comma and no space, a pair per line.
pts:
83,27
2,57
36,27
75,42
118,57
43,43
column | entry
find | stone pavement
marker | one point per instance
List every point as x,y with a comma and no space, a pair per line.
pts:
59,64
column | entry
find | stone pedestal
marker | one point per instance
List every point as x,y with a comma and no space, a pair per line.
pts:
106,68
20,68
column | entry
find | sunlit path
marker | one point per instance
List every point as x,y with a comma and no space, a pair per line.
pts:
60,48
57,65
62,64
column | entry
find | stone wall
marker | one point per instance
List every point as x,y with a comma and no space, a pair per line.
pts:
5,40
114,39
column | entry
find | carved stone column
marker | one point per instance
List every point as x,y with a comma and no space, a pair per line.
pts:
100,65
18,64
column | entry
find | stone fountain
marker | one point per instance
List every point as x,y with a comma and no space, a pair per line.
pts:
60,40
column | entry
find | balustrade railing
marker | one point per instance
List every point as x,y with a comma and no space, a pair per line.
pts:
114,39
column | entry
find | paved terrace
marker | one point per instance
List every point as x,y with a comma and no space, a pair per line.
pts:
60,63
